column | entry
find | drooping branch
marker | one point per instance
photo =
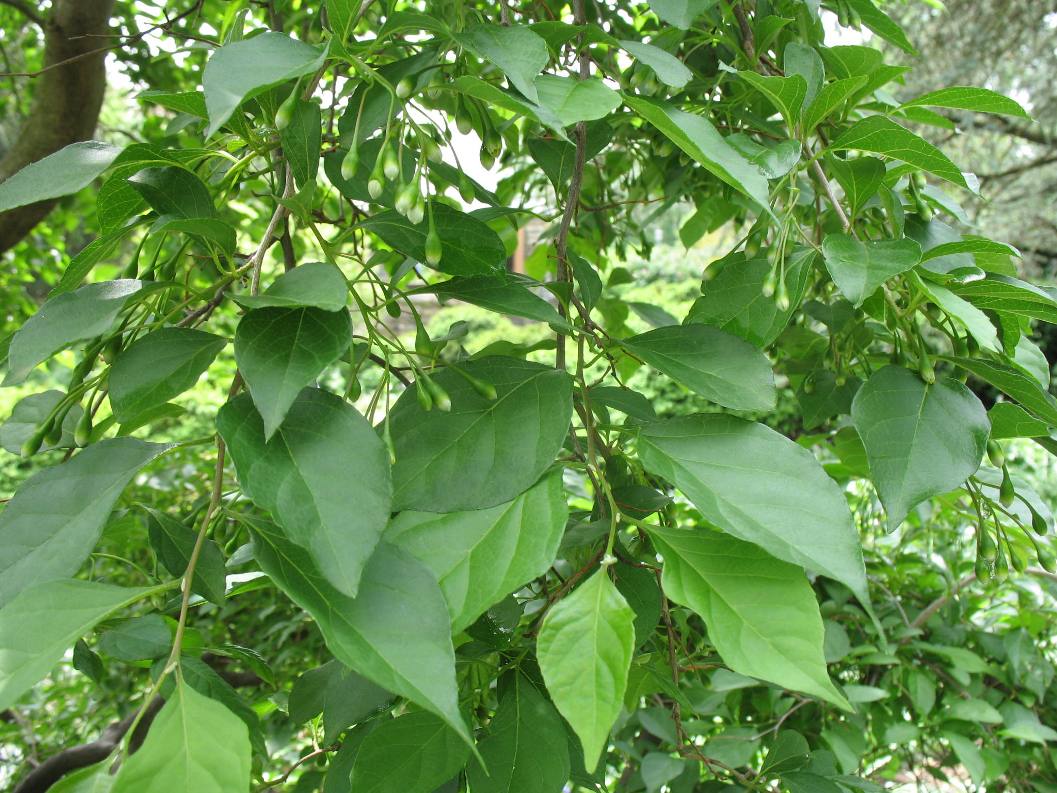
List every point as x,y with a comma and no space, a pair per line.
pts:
66,102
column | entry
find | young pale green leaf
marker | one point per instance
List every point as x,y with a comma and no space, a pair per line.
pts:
519,52
921,440
64,320
281,350
415,753
736,301
979,100
680,13
242,69
159,366
396,632
881,135
501,294
93,779
525,749
859,268
574,100
468,245
174,191
483,451
337,519
480,556
28,414
584,649
669,69
717,365
301,140
1013,382
174,543
761,487
696,136
195,745
310,285
830,97
761,613
43,621
64,172
55,519
785,93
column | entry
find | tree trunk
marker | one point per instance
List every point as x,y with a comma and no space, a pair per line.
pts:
66,102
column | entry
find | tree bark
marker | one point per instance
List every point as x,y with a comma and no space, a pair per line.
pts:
66,102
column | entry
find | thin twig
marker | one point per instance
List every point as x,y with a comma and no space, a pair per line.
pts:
281,211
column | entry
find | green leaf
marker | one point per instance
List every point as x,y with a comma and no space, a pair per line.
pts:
859,268
494,95
416,753
680,13
137,639
720,367
525,749
980,100
638,586
658,769
66,171
57,515
175,191
1012,421
28,414
761,487
195,745
921,440
64,320
92,779
968,755
785,93
1011,381
977,245
515,49
480,556
310,285
669,69
830,97
281,350
340,16
805,61
825,398
969,316
736,301
696,136
301,140
881,135
192,103
395,632
337,519
243,69
159,366
42,622
502,294
860,179
484,451
341,695
573,100
1010,296
761,613
881,24
975,710
584,649
174,542
468,245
